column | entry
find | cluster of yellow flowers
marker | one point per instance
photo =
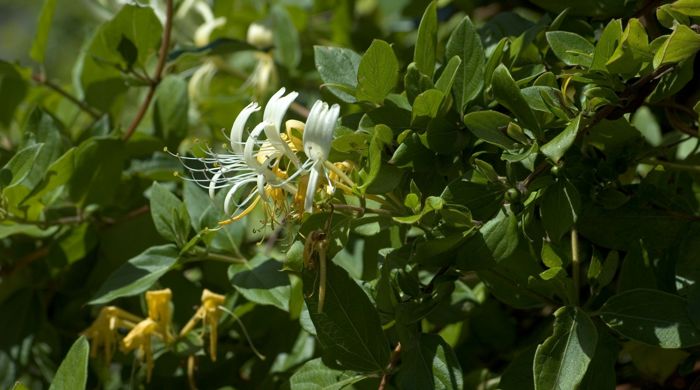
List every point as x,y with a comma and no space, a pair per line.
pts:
105,330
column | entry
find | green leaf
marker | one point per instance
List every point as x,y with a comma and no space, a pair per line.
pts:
681,45
605,47
652,317
482,199
42,34
56,175
286,38
490,126
571,48
133,27
377,73
72,373
19,166
632,50
560,207
314,375
426,107
426,42
169,215
13,89
98,170
687,7
138,274
464,42
382,136
448,76
557,146
338,69
415,82
19,386
501,235
601,370
348,329
508,94
429,364
262,280
562,360
170,110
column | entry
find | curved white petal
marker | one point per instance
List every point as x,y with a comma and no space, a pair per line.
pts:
261,188
239,126
318,133
249,154
231,192
311,188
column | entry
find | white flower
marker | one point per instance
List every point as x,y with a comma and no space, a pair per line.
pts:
318,136
250,163
203,32
259,36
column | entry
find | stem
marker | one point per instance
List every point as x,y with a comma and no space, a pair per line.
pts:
322,277
339,172
224,258
245,332
361,210
42,80
575,264
393,361
162,57
299,109
673,166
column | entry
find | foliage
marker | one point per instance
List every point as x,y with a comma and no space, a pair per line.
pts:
510,199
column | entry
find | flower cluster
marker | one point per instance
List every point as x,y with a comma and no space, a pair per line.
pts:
112,321
266,165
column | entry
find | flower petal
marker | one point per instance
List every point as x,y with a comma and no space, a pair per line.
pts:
239,126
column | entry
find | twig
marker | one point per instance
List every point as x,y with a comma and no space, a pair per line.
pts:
299,110
162,57
360,210
522,186
632,98
673,166
43,81
26,260
393,361
575,265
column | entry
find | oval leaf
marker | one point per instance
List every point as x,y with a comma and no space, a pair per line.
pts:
651,316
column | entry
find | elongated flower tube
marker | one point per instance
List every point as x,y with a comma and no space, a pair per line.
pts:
318,136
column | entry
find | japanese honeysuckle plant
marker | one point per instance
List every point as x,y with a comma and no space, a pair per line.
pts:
363,194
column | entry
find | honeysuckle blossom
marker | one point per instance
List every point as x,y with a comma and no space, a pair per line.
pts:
259,35
265,166
265,72
209,313
256,164
103,332
318,135
160,309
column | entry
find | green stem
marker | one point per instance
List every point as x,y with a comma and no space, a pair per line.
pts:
575,264
673,166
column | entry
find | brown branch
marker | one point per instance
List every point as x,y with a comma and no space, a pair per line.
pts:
299,110
393,361
162,57
25,261
43,81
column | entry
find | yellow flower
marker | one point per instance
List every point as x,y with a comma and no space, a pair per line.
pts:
209,313
104,330
160,310
140,337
